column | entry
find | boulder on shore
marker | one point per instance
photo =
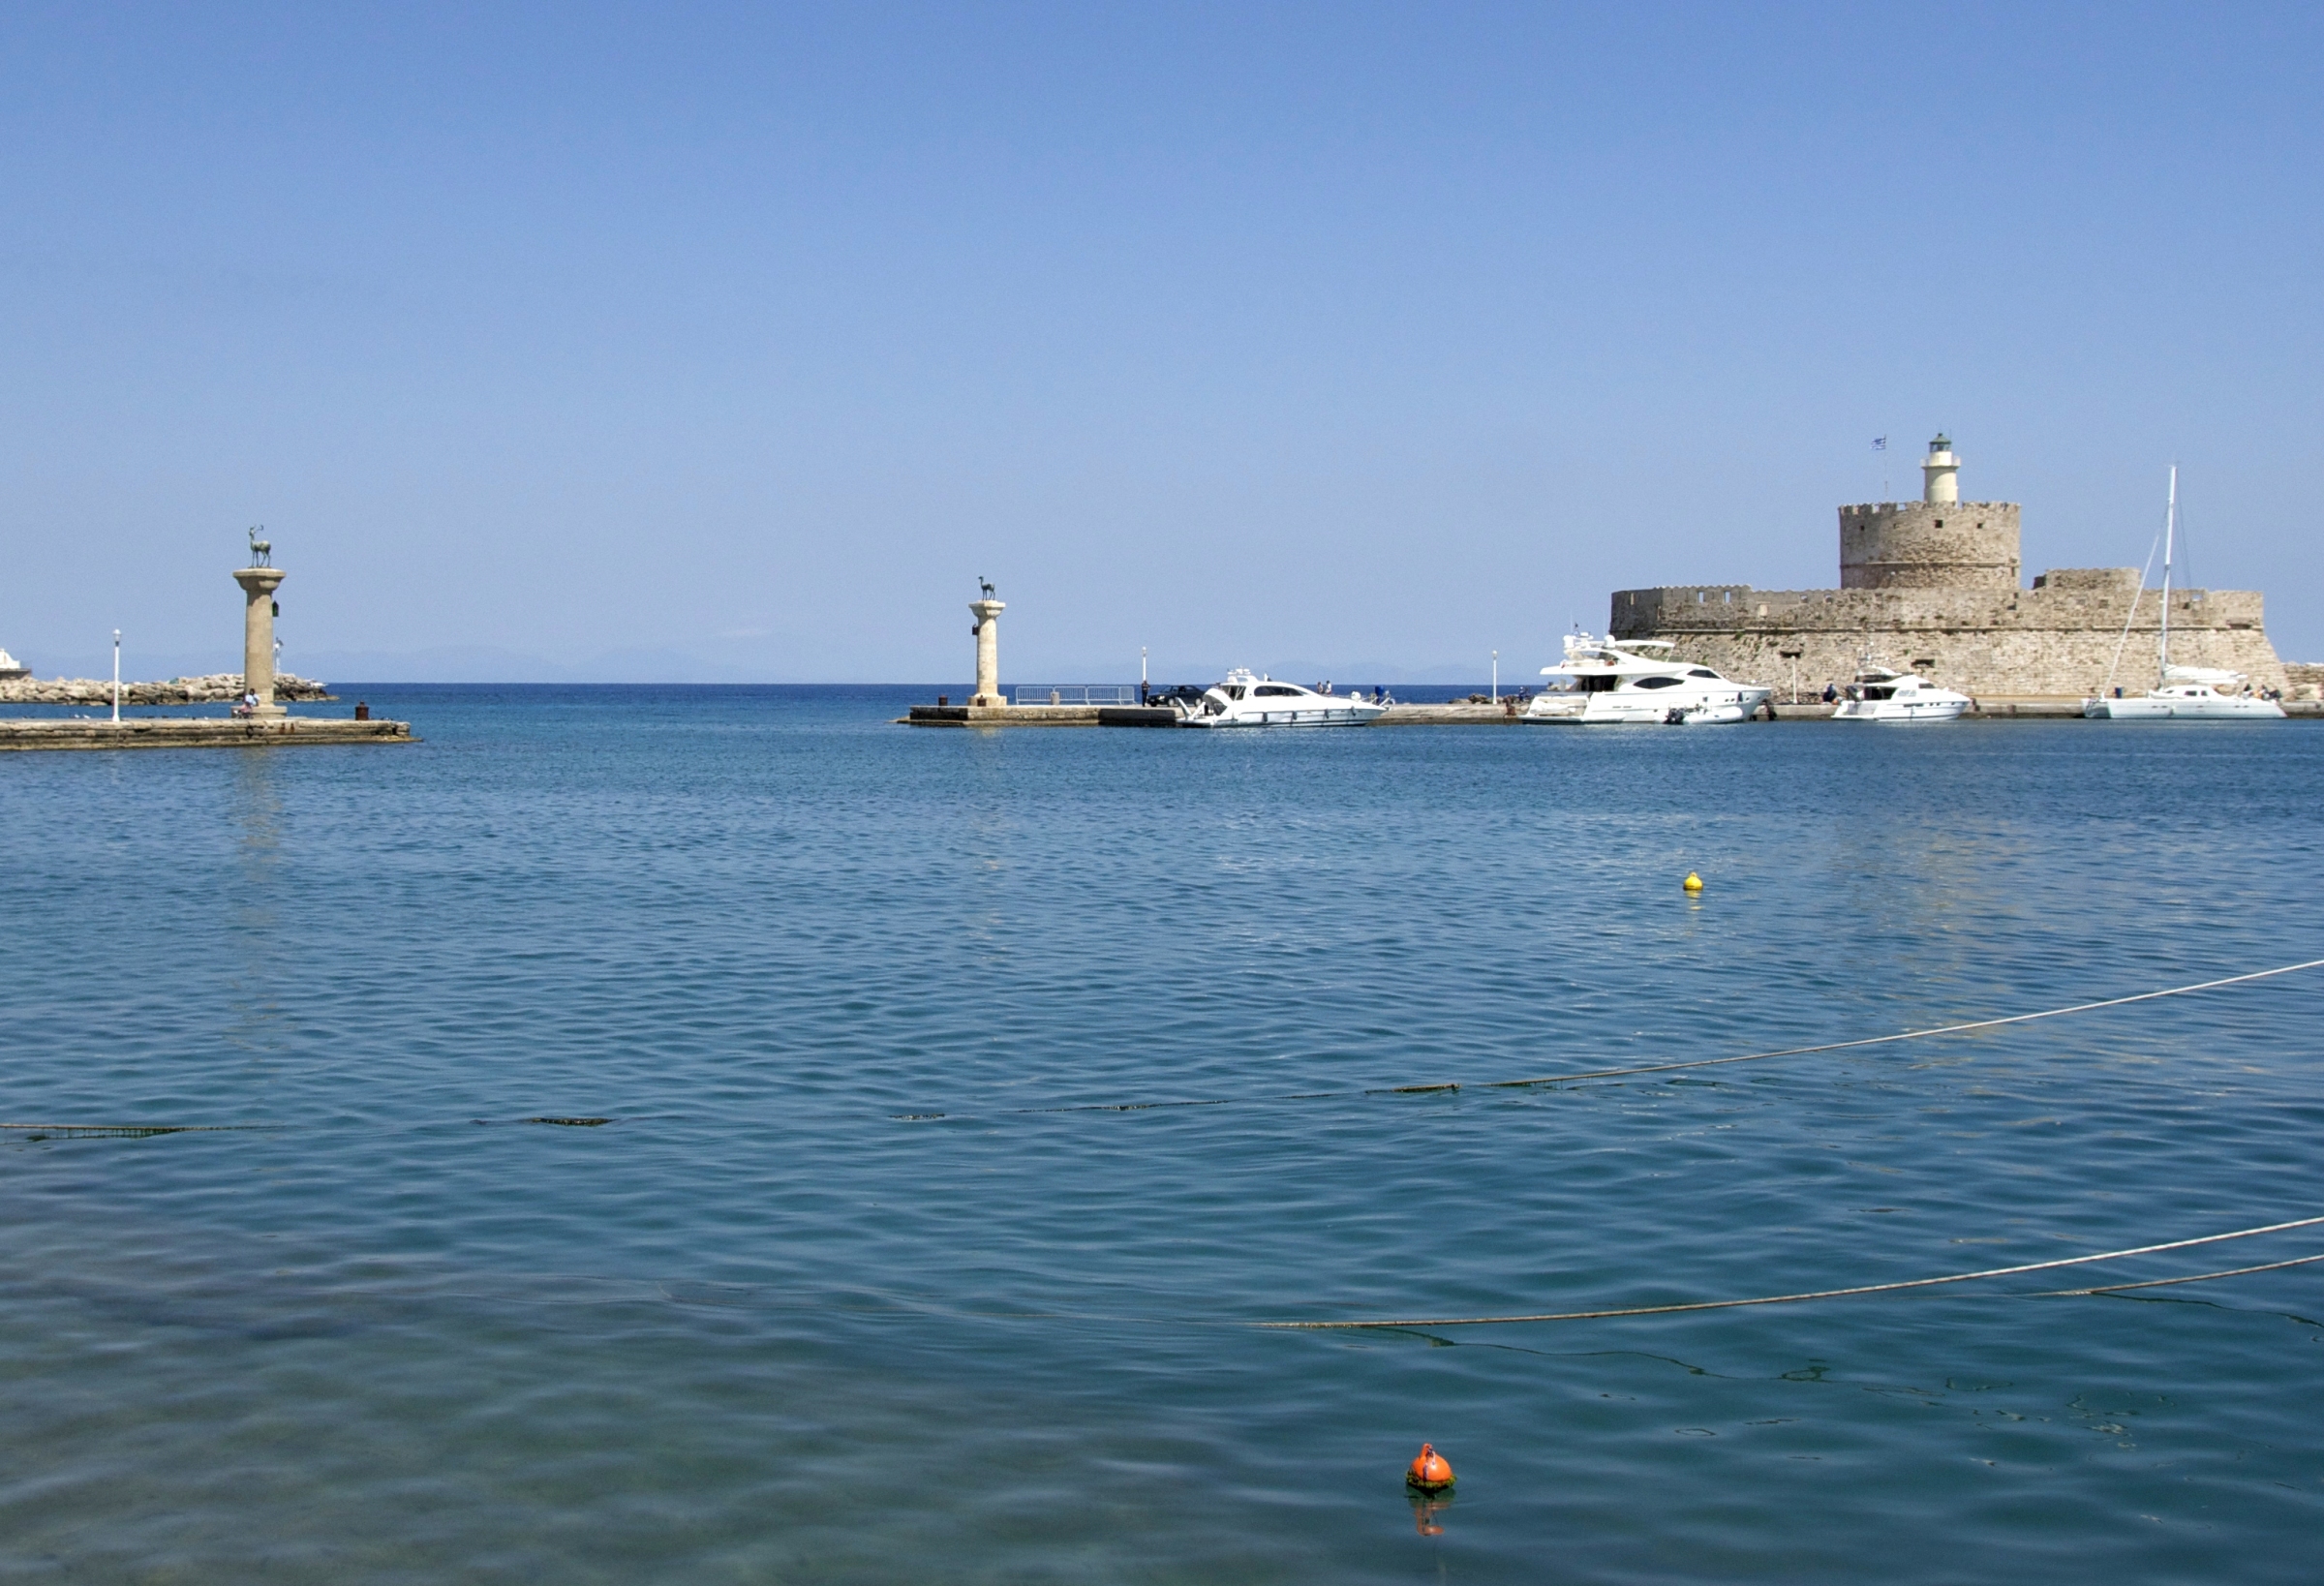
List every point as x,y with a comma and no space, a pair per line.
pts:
217,688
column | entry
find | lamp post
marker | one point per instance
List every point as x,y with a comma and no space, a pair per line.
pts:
116,677
1496,677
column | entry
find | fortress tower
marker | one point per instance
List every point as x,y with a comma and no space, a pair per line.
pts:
1938,542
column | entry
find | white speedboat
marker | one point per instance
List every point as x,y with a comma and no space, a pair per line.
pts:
1602,680
2188,694
1248,701
1879,694
2182,694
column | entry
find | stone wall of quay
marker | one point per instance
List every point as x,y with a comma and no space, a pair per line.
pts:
2059,637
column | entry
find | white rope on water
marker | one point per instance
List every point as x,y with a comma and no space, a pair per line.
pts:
1861,1042
2193,1278
1652,1068
1821,1293
1918,1035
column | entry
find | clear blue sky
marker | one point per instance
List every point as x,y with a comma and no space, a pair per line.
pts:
696,342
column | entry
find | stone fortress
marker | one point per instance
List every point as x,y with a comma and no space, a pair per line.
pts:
1933,586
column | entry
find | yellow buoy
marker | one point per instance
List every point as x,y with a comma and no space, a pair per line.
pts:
1693,882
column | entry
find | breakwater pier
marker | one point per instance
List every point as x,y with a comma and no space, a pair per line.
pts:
210,689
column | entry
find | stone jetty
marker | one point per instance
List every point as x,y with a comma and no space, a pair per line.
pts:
262,725
990,707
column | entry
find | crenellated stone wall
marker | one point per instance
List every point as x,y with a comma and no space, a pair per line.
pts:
2059,637
1925,545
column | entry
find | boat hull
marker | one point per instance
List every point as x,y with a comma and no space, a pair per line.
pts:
1626,708
1336,716
1901,711
2233,708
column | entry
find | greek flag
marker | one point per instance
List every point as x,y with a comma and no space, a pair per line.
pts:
1880,443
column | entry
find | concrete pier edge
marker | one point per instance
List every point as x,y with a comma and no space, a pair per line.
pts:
2017,709
195,732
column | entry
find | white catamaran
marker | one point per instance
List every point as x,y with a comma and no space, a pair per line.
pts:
2182,693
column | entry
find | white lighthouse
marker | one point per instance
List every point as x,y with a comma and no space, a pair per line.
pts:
1940,470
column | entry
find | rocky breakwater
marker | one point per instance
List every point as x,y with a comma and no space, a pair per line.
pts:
216,689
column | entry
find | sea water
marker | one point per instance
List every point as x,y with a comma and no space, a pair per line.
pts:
846,1289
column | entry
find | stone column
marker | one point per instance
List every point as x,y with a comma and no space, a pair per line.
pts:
988,655
258,585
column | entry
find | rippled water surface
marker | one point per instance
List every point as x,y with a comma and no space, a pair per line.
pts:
779,1320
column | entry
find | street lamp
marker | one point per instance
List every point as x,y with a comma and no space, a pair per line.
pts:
116,677
1496,677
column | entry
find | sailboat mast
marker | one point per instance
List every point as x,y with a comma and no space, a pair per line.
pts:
2170,524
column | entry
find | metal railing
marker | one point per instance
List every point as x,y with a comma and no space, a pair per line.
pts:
1076,693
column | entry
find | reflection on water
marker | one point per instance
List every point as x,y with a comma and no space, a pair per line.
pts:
257,962
1425,1508
757,1330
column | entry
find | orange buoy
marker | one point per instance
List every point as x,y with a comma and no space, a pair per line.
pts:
1431,1472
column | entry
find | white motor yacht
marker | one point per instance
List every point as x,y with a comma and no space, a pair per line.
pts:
2183,693
2191,693
1248,701
1602,680
1879,694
